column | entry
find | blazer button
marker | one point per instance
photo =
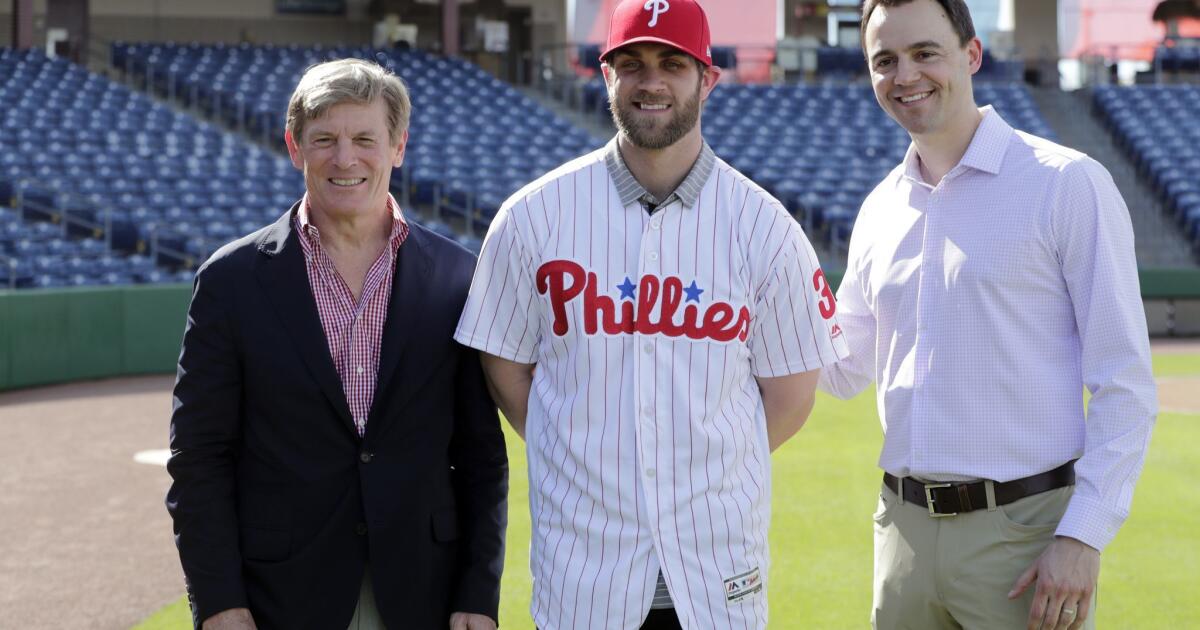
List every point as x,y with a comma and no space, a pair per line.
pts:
361,529
365,457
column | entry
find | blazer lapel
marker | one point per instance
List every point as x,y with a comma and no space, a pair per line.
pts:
281,272
410,288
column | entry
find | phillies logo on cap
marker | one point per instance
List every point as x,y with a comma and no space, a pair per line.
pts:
658,7
642,21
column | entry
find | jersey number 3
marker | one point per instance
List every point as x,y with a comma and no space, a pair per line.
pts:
827,304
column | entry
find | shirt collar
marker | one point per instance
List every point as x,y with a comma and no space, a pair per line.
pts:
310,236
629,190
985,153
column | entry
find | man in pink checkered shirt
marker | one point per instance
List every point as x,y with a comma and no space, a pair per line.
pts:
337,460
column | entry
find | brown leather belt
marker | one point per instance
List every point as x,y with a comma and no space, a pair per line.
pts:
948,499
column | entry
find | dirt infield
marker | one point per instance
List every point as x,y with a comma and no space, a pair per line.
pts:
1175,346
1178,394
85,541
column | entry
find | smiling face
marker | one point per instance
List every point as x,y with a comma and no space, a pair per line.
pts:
347,156
920,72
655,93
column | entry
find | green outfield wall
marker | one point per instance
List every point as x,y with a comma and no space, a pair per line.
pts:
63,335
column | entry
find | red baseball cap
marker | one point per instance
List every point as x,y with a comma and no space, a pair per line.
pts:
679,24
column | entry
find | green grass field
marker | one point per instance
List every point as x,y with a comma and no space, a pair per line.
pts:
821,529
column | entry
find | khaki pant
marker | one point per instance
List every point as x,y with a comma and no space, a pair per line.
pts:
956,571
366,615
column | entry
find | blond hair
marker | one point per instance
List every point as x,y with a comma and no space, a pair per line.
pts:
348,81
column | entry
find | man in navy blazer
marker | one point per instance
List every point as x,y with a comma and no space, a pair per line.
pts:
337,460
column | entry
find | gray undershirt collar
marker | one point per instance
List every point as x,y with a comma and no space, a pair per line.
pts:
629,190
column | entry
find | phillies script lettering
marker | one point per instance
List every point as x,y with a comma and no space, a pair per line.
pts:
564,281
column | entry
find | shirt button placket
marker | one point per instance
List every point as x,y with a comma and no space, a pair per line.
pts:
647,373
928,274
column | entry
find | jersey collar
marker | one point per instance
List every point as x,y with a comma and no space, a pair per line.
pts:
629,190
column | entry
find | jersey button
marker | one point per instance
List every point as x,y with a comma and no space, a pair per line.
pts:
656,224
648,349
649,472
653,256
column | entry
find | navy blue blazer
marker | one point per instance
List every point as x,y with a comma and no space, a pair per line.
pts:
278,505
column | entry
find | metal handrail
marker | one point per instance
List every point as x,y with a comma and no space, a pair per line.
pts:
64,216
158,249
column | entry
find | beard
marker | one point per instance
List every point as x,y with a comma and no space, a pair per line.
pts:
643,131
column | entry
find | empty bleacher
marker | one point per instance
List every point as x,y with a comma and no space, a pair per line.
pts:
91,159
97,159
36,254
473,140
821,148
1156,127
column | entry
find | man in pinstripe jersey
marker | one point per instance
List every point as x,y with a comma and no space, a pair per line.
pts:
678,319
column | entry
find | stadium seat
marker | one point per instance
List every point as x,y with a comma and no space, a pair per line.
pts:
88,157
1155,126
820,149
461,117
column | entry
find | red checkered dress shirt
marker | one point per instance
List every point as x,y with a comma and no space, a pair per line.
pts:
354,330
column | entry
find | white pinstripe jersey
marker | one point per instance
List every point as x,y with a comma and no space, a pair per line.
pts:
646,439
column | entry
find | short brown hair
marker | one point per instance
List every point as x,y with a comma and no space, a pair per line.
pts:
956,11
348,81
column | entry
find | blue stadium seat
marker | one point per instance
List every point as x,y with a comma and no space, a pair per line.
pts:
1155,126
459,111
91,156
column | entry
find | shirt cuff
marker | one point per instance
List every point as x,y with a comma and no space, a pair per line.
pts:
1090,522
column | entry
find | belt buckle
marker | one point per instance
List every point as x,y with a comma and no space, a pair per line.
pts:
929,499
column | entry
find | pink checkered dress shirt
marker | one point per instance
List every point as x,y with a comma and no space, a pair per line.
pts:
354,330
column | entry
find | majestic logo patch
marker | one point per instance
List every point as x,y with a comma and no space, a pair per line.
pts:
658,7
564,281
741,586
